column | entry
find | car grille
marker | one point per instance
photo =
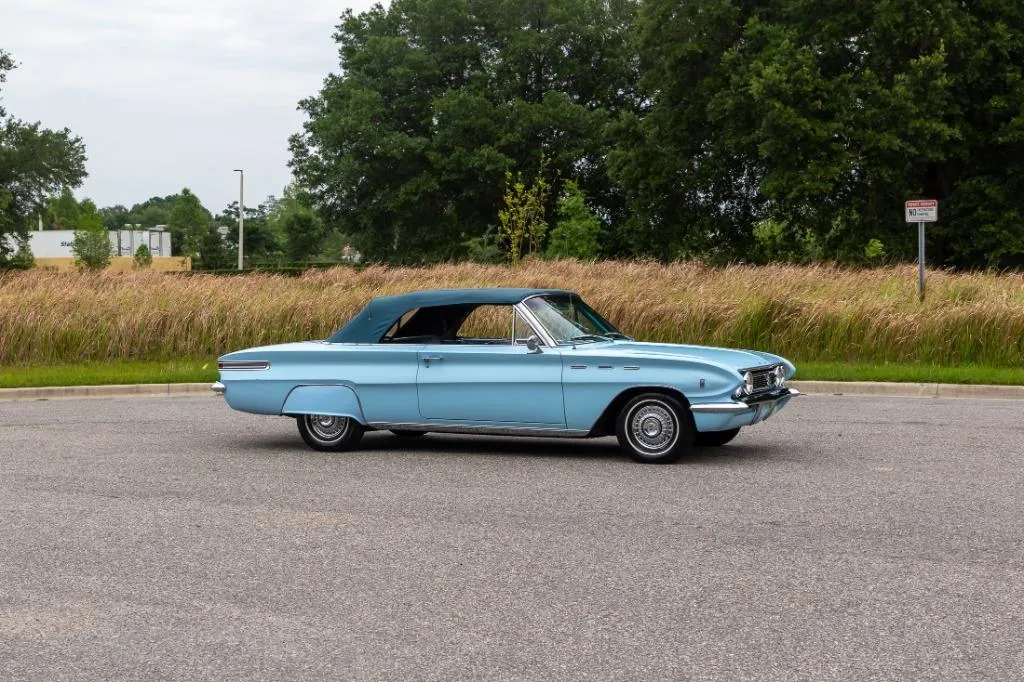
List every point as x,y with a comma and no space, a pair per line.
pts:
762,378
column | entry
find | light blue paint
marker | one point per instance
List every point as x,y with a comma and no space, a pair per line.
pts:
338,401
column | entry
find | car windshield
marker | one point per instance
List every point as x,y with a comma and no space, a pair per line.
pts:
569,320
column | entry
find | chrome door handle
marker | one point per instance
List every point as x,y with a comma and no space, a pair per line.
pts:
427,359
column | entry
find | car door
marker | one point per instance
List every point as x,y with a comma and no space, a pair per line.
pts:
494,379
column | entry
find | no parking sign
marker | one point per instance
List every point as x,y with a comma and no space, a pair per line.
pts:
921,211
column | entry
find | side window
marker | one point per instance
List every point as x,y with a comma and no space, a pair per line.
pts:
394,334
488,324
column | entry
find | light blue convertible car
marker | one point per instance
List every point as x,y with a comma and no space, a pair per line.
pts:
510,362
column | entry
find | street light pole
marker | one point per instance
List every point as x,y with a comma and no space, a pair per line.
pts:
241,214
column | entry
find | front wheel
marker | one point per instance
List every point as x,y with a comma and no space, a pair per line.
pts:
654,428
712,439
329,433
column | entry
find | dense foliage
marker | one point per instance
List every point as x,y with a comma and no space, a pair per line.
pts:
723,129
407,150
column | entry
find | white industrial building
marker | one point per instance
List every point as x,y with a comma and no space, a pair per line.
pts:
57,243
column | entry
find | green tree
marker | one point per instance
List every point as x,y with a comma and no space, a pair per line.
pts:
63,211
92,246
34,163
577,232
143,257
116,217
406,149
263,236
823,117
214,253
522,223
187,223
302,229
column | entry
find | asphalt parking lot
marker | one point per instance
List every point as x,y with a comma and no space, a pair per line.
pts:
847,538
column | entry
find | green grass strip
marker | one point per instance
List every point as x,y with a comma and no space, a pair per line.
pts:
104,373
966,374
201,370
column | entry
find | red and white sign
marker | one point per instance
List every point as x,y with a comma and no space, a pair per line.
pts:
922,211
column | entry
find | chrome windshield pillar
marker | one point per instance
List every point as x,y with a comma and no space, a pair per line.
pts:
531,319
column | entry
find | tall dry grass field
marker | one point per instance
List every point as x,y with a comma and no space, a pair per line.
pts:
806,313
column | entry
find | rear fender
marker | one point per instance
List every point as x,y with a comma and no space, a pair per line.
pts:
337,401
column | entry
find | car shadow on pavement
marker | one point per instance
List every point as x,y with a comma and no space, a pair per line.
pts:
447,445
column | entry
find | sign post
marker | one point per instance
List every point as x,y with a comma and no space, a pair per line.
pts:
921,211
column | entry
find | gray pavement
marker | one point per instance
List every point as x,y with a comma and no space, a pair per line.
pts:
848,538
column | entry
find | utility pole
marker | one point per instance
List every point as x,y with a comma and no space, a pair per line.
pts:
241,215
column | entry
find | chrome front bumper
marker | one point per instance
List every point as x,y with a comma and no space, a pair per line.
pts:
218,388
762,405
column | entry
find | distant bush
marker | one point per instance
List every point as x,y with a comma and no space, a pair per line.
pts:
143,257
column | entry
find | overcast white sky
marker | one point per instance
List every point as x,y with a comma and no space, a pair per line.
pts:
172,93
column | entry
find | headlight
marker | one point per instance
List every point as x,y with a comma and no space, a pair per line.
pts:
748,383
780,376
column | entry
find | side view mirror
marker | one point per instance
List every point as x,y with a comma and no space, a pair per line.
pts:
533,344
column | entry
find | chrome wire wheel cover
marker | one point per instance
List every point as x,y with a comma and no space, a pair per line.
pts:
653,429
326,428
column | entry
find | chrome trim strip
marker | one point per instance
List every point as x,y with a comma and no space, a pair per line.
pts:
243,365
631,367
218,388
721,407
604,366
485,430
577,366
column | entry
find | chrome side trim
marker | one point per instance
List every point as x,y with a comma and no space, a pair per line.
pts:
483,430
218,388
243,365
721,407
577,366
631,367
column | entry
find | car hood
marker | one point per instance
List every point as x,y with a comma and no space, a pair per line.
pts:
727,357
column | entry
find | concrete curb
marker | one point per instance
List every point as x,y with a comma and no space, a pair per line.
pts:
868,388
909,390
110,391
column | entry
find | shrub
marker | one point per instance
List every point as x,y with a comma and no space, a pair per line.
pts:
143,257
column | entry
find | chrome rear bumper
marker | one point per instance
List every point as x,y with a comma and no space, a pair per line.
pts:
218,388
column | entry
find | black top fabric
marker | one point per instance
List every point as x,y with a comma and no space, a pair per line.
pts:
370,324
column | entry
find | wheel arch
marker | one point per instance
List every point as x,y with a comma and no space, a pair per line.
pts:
333,400
605,424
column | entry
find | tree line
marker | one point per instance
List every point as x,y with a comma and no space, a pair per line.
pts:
725,130
754,130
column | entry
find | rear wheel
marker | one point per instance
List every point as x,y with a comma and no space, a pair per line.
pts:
654,428
712,439
329,433
407,433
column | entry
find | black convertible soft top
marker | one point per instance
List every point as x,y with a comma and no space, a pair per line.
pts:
370,324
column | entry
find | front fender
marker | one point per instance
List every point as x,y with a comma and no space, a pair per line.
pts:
337,401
